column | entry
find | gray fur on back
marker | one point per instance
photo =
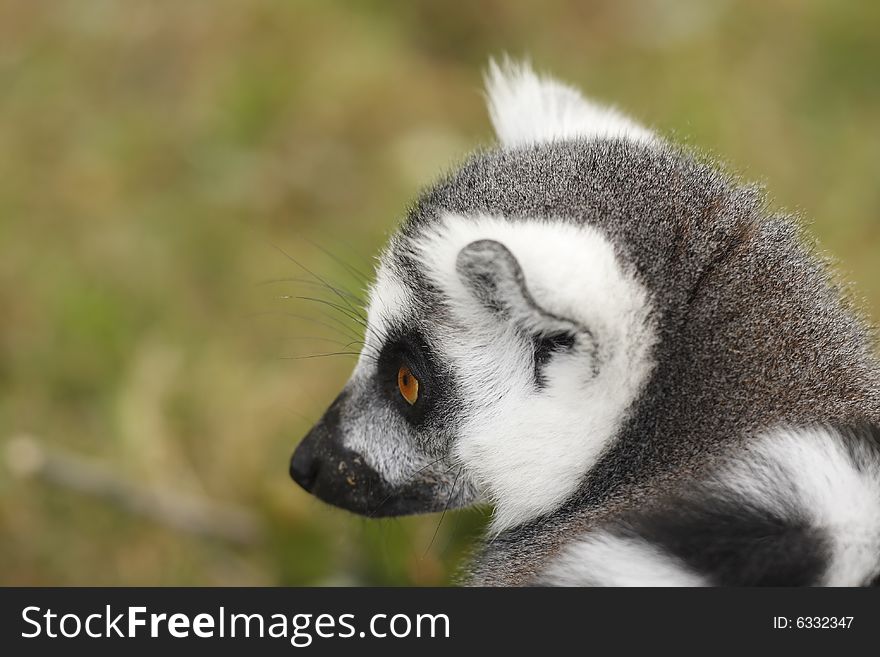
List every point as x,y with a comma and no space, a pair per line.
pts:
753,330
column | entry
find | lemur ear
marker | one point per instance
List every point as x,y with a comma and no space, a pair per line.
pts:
526,108
493,275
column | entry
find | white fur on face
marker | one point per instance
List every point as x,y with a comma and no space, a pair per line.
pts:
529,448
811,470
389,300
602,559
372,430
526,108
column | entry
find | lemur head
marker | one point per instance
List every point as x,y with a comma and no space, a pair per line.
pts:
505,344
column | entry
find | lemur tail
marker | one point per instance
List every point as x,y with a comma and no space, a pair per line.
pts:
799,507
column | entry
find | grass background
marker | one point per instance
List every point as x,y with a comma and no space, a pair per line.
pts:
154,156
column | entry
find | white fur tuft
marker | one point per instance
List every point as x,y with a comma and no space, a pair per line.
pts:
526,108
603,559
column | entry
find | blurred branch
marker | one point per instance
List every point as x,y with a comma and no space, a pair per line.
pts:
26,457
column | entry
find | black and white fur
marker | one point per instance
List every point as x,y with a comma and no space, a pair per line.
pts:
648,374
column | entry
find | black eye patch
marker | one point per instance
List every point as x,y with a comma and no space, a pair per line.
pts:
409,349
545,346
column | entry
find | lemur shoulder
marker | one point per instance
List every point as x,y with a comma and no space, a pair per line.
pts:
651,376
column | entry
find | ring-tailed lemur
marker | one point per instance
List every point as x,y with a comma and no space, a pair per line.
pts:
645,371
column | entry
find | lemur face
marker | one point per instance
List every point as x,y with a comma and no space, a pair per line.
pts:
501,354
384,447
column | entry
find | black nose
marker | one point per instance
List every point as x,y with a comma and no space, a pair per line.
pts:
304,467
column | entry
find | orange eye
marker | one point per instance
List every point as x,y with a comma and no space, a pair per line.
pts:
408,385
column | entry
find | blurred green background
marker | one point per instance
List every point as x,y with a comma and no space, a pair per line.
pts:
156,158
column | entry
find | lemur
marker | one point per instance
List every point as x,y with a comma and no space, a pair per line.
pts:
651,376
